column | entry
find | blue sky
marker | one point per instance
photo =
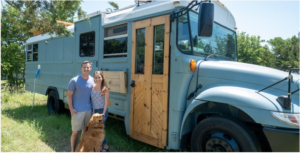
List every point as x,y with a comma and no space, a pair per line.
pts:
268,18
265,18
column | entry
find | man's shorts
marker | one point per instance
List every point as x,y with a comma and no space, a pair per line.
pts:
80,120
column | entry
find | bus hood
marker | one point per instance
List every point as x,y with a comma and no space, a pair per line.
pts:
248,73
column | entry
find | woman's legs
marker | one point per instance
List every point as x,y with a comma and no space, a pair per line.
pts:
100,111
105,146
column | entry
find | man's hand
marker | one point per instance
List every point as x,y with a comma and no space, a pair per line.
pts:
73,111
103,118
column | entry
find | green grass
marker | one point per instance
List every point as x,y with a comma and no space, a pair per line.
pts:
26,130
118,140
23,129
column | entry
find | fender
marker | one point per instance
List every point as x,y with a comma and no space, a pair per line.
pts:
244,99
52,88
241,96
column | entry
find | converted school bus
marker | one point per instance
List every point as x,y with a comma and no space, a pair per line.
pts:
173,85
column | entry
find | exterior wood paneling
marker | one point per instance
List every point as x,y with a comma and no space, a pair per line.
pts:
116,81
149,97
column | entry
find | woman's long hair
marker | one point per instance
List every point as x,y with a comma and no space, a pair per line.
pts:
103,83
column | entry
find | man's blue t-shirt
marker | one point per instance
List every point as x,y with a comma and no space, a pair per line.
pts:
81,89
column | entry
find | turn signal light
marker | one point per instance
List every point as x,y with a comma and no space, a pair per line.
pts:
108,102
193,65
288,118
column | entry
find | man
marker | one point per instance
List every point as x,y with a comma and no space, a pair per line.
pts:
79,92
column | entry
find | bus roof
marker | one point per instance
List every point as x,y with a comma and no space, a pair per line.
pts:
159,7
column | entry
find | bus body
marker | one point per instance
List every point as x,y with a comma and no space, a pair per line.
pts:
146,58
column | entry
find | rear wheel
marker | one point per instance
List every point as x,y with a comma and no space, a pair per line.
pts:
220,134
53,103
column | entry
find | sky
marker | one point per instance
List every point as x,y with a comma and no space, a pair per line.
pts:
267,18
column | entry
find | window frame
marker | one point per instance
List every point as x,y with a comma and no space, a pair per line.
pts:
177,28
155,51
190,36
32,52
94,43
123,55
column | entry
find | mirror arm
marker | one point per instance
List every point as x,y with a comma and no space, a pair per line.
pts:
185,10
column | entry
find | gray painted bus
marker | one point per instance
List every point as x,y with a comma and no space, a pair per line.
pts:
179,88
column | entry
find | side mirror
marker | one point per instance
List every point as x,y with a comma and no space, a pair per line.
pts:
205,19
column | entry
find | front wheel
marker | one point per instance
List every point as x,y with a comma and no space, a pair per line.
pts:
221,134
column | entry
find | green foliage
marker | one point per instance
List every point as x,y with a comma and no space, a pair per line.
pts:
18,19
251,51
12,65
42,15
286,52
12,30
114,5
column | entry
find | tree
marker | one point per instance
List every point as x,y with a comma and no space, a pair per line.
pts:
251,51
42,15
114,5
12,64
286,52
18,18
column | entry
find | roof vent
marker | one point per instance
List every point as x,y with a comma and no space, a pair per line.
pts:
142,1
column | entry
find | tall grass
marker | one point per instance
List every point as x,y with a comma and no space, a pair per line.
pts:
26,130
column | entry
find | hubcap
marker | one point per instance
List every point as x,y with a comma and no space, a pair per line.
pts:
220,142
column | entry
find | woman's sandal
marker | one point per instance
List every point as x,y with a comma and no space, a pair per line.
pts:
105,149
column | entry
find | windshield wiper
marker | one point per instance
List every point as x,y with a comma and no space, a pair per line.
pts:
210,56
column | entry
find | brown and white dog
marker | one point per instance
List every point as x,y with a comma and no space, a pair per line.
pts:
92,140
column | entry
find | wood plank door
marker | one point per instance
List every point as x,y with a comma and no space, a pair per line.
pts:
150,72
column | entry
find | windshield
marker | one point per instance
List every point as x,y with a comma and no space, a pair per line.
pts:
222,43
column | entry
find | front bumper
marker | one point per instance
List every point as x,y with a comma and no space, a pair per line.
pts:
282,140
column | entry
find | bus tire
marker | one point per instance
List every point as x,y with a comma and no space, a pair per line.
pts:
54,106
222,134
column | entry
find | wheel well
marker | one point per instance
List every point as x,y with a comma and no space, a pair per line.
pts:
51,88
58,106
213,108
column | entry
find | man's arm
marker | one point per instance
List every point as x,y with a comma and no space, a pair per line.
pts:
70,102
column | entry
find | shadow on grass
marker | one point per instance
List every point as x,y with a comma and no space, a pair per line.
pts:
118,140
55,129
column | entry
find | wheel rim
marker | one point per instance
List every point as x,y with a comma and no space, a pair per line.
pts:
220,142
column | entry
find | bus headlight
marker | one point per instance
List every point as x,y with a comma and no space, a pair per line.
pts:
287,118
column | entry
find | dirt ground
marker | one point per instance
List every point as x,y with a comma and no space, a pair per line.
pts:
65,148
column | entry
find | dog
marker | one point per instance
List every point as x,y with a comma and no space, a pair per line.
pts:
92,140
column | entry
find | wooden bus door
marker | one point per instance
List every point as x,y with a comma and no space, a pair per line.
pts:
150,73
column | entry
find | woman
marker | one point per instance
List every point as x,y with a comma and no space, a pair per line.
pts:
100,96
